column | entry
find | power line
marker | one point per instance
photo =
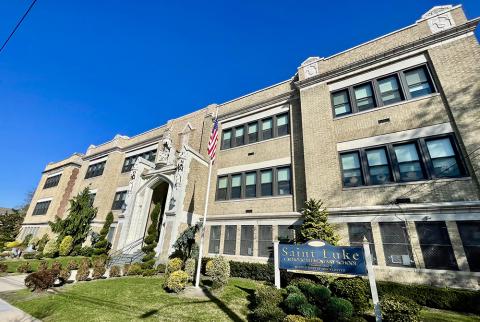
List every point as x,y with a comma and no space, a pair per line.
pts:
18,25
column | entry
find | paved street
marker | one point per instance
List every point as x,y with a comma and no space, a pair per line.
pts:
9,313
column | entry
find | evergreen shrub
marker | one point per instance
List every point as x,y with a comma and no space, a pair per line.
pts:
219,270
268,313
254,271
98,268
174,264
150,241
355,290
42,242
29,255
114,271
308,310
66,246
149,272
43,265
56,265
51,249
338,310
190,266
176,281
102,246
294,318
65,274
83,271
161,268
397,308
294,301
41,280
72,265
134,269
24,267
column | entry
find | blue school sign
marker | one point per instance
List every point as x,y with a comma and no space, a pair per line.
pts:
318,256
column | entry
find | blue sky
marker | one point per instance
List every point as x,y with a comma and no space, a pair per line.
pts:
79,72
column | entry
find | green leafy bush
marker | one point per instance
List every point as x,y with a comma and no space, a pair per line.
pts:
98,268
51,249
355,290
174,264
176,281
294,301
397,308
56,265
126,267
267,295
3,267
72,265
43,265
150,242
308,310
83,271
268,313
292,289
294,318
318,295
149,272
254,271
434,297
338,310
134,269
86,251
39,255
190,268
24,267
219,270
41,280
161,268
29,255
114,271
66,246
42,242
102,246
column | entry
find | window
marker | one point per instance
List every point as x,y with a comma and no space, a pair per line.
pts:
227,139
396,244
418,81
92,198
436,246
130,161
239,136
252,132
443,158
222,188
288,233
214,244
267,129
264,240
409,166
424,158
351,170
111,233
470,235
119,200
356,232
246,242
364,98
230,241
383,91
251,185
390,91
236,191
341,103
41,208
266,183
52,181
283,181
95,170
282,124
27,231
378,166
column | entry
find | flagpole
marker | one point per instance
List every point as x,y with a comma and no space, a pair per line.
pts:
204,223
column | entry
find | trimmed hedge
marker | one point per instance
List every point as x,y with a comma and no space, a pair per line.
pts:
399,308
41,280
254,271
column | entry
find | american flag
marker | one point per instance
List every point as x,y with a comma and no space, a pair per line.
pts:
212,143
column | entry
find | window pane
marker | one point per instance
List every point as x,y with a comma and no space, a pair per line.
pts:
440,148
267,176
406,152
222,188
266,183
264,240
418,82
443,158
409,164
214,245
250,178
378,166
251,185
252,132
389,90
267,124
230,240
267,129
282,124
364,96
246,242
226,142
236,186
341,103
357,231
435,244
352,174
222,183
470,235
396,244
252,128
283,180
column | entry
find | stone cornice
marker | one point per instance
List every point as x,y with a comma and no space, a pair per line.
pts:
74,164
288,96
404,49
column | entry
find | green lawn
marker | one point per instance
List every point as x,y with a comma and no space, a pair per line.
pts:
13,264
134,299
433,315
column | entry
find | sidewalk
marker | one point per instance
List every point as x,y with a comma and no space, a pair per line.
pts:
9,313
12,283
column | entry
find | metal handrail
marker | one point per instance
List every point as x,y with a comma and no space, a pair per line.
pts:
122,253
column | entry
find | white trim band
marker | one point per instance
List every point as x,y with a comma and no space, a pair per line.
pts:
44,199
142,150
395,137
124,188
255,166
55,174
98,160
256,116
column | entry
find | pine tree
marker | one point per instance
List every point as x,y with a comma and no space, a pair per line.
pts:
102,246
77,222
315,225
151,239
185,244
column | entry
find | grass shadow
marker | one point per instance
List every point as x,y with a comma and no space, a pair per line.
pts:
221,305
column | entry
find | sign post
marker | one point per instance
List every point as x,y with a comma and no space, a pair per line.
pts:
275,260
371,279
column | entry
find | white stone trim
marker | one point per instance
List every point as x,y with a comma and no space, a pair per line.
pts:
379,72
424,217
55,174
45,199
226,124
124,188
395,137
240,222
255,166
141,150
92,191
98,160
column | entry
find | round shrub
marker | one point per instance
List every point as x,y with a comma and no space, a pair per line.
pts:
161,268
41,280
86,251
56,265
319,295
294,301
294,318
174,264
51,249
268,295
149,272
83,271
13,244
126,267
292,289
308,310
72,265
268,313
134,269
114,271
396,308
338,310
3,267
29,255
24,267
219,270
98,268
354,290
66,246
42,266
190,266
176,281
